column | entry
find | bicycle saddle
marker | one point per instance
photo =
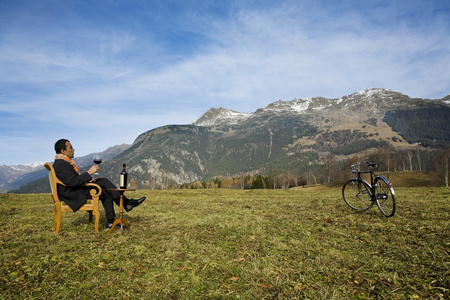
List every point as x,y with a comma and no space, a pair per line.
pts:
372,165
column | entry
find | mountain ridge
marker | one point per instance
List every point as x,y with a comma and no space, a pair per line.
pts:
221,116
227,142
290,135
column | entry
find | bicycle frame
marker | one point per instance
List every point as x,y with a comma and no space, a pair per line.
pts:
372,187
361,195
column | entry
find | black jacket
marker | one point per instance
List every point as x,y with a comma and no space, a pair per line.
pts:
73,194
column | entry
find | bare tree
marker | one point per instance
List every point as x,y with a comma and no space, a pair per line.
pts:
418,157
410,156
152,182
242,180
165,178
441,165
273,177
289,178
310,178
329,169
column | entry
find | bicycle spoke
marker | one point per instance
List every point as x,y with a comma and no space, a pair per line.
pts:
356,194
385,197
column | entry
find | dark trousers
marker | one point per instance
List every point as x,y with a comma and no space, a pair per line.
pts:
109,197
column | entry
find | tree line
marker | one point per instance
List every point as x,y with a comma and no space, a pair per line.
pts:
331,168
389,159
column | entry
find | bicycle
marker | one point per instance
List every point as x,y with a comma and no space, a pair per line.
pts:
362,195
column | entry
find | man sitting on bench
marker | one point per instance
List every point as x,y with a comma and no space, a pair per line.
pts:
74,194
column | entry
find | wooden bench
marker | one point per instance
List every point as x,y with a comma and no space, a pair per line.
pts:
90,206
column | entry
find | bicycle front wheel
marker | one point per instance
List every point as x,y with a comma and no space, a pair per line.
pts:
385,196
356,194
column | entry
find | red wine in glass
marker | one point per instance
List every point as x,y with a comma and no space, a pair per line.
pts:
97,160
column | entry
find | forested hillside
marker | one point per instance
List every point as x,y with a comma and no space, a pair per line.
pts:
427,125
302,141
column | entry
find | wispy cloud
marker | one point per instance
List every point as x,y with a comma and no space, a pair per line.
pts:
100,74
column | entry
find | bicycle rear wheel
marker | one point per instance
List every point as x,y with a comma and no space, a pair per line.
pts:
385,196
356,194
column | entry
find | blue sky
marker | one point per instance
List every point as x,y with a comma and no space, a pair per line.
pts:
101,72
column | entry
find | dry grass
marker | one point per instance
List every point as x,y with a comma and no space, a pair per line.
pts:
256,244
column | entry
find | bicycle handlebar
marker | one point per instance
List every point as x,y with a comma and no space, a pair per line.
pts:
369,164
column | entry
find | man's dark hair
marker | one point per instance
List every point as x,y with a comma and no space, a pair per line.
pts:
60,145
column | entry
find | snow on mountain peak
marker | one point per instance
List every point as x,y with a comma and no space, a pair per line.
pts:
33,165
377,98
216,116
300,106
372,92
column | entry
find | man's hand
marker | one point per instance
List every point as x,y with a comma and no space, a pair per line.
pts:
93,169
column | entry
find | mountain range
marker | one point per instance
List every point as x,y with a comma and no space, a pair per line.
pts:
294,135
14,176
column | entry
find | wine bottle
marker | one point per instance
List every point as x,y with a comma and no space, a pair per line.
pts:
123,177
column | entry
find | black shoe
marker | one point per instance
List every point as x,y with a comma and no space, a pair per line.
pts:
109,225
133,203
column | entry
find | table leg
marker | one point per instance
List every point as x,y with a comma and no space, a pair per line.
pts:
120,220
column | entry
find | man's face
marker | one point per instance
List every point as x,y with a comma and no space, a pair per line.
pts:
69,152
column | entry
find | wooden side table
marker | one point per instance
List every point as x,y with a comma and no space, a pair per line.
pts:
120,220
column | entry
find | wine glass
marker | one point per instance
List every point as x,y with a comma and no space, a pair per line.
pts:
97,160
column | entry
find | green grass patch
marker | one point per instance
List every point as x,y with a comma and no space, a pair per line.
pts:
214,244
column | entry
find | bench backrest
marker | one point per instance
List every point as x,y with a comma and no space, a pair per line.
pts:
54,181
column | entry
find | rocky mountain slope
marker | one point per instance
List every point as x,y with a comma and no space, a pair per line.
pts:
9,174
293,135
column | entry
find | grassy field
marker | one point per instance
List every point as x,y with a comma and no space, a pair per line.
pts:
225,244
